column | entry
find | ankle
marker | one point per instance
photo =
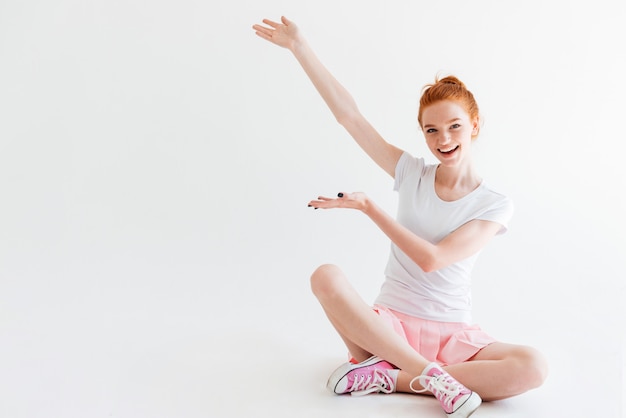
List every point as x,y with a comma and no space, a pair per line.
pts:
419,384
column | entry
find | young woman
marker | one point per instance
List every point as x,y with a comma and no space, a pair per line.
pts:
418,333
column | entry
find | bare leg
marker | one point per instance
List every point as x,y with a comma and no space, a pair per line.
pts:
497,371
362,330
502,370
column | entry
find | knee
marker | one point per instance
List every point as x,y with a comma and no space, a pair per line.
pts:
532,367
324,280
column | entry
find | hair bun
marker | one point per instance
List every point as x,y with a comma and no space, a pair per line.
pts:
450,79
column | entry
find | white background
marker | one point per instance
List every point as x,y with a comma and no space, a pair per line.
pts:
156,159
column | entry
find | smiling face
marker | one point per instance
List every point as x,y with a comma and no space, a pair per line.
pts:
448,130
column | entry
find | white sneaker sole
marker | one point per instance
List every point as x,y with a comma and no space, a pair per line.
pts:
346,368
471,404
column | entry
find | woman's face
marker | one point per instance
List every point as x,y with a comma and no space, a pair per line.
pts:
448,130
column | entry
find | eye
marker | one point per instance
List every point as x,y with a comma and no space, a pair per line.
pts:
455,126
430,130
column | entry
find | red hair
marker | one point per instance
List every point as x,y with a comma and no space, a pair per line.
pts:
448,88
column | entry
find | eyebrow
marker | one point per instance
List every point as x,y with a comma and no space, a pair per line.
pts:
448,122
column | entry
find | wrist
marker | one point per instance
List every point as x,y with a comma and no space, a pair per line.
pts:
298,46
368,206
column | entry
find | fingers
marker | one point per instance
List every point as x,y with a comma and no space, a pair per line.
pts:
263,32
271,23
320,202
261,29
323,202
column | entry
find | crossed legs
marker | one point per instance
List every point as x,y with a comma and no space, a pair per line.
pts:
497,371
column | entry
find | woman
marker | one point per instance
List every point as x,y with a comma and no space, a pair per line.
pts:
418,334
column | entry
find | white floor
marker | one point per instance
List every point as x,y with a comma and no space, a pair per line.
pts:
152,351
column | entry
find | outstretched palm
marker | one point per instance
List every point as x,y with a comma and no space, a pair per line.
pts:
357,200
284,34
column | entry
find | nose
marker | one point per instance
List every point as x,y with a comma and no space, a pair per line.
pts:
444,138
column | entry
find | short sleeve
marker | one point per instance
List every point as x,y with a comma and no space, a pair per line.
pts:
407,165
501,212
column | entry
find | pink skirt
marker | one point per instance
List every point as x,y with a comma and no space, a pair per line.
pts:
443,342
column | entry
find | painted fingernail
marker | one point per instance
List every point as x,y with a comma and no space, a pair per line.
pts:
340,194
308,206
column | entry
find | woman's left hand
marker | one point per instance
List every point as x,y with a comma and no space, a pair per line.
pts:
357,200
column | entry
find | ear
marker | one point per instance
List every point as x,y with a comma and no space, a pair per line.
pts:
475,127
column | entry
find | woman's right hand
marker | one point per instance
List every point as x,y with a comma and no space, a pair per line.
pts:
285,34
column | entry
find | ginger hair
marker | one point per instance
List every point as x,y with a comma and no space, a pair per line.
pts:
448,88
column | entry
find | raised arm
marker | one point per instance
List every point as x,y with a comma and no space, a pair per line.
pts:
338,99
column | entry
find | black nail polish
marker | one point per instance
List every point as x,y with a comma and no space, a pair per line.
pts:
340,194
308,206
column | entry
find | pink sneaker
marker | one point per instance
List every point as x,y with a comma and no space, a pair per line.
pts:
370,376
457,400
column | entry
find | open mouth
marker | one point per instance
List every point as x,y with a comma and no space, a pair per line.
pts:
448,152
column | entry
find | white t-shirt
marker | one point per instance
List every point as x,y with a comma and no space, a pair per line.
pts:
442,295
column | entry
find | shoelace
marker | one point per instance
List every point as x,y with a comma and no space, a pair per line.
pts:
376,382
442,386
